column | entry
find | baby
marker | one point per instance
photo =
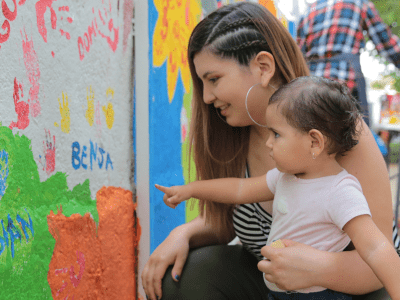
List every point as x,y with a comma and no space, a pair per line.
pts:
316,201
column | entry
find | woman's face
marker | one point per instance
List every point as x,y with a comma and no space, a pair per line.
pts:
225,85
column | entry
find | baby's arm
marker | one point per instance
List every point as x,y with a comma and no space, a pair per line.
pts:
223,190
377,251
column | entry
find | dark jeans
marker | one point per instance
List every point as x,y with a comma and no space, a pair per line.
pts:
324,295
225,273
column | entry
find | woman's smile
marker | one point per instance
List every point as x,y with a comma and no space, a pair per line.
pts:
224,109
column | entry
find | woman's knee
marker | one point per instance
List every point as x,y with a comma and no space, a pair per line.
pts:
216,272
199,276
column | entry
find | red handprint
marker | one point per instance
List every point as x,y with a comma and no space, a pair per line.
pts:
49,149
31,62
41,7
21,108
113,42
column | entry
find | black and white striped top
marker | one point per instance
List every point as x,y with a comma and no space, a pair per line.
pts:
252,225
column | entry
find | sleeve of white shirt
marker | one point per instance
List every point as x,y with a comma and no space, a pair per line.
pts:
346,201
272,179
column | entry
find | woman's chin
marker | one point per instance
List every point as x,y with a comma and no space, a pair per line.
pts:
235,122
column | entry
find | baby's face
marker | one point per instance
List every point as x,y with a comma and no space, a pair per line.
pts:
289,147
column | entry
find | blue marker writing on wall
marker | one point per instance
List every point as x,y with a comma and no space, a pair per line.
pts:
3,172
80,158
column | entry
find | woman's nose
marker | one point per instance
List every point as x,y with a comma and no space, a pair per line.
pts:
208,96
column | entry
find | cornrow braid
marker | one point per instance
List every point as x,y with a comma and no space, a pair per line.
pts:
246,45
230,26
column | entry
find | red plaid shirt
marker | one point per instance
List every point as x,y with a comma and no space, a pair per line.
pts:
330,27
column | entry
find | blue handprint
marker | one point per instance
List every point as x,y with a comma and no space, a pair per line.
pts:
3,172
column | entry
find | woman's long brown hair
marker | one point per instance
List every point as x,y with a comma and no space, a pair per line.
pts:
238,31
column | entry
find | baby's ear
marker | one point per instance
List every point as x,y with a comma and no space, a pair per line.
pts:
318,141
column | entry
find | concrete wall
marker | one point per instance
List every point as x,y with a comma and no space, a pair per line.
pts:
66,156
163,95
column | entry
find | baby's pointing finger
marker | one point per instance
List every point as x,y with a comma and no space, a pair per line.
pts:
161,188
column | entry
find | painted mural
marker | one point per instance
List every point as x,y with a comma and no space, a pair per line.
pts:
169,72
67,228
169,102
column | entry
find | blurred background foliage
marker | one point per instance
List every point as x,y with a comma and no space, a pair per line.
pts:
389,10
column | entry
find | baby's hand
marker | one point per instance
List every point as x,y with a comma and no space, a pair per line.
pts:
174,194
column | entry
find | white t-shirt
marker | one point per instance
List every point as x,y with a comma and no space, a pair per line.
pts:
314,211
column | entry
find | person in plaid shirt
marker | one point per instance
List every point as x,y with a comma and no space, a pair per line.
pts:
330,36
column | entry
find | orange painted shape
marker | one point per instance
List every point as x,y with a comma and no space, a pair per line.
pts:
119,236
269,4
86,265
75,268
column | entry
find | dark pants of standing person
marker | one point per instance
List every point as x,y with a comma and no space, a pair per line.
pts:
225,272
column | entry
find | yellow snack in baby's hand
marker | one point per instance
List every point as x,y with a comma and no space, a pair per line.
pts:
278,244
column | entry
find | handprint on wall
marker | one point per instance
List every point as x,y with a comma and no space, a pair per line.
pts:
33,73
41,7
21,107
109,110
65,114
49,150
90,105
109,113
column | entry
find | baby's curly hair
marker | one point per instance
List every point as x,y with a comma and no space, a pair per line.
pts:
311,102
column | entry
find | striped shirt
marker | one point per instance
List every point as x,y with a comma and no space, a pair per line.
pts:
331,27
252,225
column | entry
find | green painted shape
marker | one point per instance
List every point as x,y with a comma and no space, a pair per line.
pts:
25,275
192,208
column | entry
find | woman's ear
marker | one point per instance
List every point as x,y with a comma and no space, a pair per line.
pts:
265,64
318,142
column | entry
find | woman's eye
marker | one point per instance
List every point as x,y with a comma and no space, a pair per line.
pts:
214,80
276,134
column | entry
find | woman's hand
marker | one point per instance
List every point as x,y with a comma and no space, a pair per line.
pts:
292,267
175,194
173,251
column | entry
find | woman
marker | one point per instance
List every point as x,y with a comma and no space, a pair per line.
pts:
238,56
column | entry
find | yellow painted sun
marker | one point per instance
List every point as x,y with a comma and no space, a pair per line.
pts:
176,20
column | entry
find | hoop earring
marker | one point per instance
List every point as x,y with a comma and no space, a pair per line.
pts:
247,95
313,155
216,109
272,87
